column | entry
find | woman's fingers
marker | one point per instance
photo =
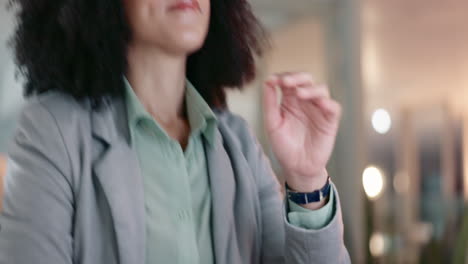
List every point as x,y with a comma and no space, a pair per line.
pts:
330,108
300,84
296,86
313,92
294,80
272,80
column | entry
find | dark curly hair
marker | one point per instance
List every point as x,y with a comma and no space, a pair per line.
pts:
80,47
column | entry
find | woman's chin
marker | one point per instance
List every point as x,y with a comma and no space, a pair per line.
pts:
187,45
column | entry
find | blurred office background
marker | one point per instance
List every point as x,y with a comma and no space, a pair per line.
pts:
400,70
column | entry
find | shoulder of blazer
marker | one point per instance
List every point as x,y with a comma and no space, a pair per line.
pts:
68,113
49,123
63,107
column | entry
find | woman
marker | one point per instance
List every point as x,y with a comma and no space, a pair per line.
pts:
120,159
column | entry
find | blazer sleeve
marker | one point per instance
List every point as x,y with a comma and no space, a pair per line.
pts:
283,242
36,222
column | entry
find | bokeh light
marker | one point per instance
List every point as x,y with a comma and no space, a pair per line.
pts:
381,121
377,245
373,182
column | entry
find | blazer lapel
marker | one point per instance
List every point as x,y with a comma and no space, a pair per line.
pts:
223,187
117,171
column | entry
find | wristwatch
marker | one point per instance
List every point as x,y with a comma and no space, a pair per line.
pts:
311,197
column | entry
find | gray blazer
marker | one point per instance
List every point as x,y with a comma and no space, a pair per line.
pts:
73,194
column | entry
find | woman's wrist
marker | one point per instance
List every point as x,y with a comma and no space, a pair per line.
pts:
307,183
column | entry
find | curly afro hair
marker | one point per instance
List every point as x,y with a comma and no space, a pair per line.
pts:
79,47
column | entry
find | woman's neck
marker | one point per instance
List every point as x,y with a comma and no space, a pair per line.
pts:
158,80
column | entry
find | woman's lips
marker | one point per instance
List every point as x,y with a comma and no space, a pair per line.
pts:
185,5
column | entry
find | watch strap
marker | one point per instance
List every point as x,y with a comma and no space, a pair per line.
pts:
310,197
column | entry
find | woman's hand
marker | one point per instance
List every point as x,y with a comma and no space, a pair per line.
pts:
302,128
